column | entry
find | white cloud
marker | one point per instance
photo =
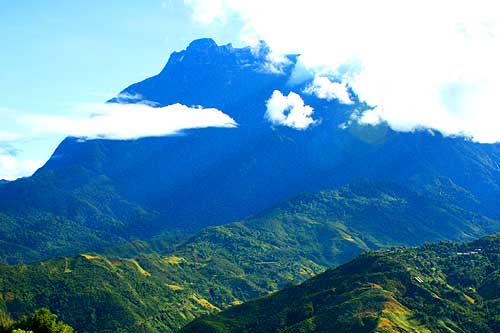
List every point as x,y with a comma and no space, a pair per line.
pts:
289,111
127,97
275,63
90,121
136,98
431,64
323,88
128,121
13,167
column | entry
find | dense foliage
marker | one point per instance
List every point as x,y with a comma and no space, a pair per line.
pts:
443,287
41,321
158,288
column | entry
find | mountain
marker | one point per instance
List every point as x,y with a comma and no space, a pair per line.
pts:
152,288
3,181
443,287
94,194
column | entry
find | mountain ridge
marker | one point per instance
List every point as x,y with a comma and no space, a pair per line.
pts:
209,69
102,193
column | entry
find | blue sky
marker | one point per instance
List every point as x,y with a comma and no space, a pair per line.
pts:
58,54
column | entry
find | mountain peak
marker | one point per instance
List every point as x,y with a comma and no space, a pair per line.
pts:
206,73
202,44
205,51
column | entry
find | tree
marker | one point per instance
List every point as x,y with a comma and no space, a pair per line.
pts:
42,321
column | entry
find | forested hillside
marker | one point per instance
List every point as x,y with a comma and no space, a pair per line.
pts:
443,287
151,286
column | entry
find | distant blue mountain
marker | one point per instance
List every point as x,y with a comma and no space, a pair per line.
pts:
234,80
99,192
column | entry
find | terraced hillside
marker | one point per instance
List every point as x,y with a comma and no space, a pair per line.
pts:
444,287
155,288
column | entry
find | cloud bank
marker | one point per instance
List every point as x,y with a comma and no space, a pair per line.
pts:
129,121
96,121
289,111
13,167
420,64
323,88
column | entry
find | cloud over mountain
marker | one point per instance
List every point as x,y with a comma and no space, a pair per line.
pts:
112,121
13,166
323,88
420,64
130,121
289,111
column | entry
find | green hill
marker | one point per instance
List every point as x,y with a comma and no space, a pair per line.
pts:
443,287
162,289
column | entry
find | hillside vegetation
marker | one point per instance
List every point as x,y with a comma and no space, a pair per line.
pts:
151,288
444,287
41,321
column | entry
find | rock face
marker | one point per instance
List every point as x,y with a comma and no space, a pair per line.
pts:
215,76
95,193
